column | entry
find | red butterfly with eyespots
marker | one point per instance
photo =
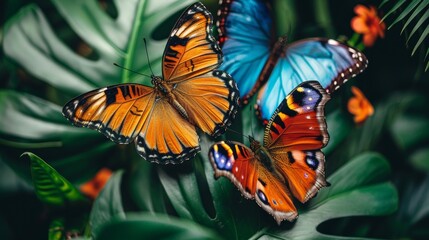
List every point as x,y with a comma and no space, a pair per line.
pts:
289,162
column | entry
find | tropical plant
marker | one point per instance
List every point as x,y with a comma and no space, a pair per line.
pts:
59,49
414,16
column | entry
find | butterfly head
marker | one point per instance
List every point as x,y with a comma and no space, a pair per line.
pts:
254,144
159,85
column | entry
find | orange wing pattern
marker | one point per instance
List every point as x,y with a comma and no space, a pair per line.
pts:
191,49
163,119
211,101
294,136
167,137
289,162
304,171
209,96
116,111
125,111
238,163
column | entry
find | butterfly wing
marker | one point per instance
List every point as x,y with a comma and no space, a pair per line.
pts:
191,49
126,111
114,111
245,37
330,62
239,164
294,136
167,137
209,96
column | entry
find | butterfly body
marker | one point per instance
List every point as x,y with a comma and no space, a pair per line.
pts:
263,156
271,68
164,90
288,162
163,119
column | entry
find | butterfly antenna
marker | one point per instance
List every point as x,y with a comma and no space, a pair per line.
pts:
233,131
147,55
252,114
119,66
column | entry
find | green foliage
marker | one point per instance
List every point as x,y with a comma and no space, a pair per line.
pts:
185,201
50,186
416,12
148,226
31,41
410,130
108,205
366,177
56,230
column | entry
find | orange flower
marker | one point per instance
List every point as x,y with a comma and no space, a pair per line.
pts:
368,23
359,106
93,187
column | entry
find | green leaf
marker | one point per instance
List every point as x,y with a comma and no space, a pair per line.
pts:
323,17
148,226
409,130
404,13
285,12
56,230
414,205
36,125
29,123
412,10
363,178
50,186
339,126
419,24
144,188
30,40
427,54
420,159
423,36
108,204
359,188
415,13
394,8
217,204
384,2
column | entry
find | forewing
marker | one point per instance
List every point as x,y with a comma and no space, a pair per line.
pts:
329,62
299,121
191,49
294,136
117,111
245,37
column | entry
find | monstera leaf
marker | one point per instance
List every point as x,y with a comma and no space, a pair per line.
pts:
145,226
359,188
108,204
29,123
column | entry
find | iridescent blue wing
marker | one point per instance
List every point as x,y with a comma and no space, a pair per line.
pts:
328,61
245,37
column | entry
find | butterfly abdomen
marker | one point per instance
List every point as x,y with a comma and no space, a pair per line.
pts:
179,107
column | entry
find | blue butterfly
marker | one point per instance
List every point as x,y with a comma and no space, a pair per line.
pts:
245,34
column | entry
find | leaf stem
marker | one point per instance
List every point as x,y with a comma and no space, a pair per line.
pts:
353,40
129,57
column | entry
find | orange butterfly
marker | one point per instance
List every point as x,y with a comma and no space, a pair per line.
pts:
162,119
289,162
